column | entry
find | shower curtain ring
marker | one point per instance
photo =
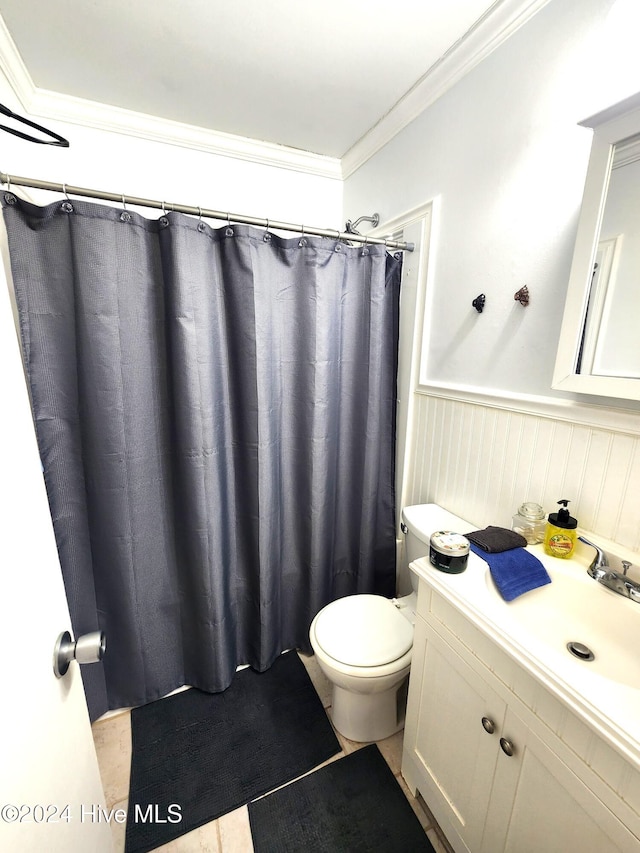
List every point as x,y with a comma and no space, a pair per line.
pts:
66,205
201,226
229,230
125,216
8,196
267,236
303,240
365,248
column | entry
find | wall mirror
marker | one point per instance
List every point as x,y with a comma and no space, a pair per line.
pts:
599,348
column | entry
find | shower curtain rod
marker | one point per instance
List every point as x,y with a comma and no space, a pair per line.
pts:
35,183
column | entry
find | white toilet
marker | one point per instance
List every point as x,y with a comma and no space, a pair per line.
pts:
363,645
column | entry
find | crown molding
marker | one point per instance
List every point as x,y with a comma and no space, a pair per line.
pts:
13,67
58,107
488,33
66,108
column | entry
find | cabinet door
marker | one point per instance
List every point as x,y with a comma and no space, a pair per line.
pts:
539,804
455,754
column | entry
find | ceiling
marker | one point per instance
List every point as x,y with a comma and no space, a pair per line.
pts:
316,76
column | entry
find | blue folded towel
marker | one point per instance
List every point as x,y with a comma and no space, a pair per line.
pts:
515,571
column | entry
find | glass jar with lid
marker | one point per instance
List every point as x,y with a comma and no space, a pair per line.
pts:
530,522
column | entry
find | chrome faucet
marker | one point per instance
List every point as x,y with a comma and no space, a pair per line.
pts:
604,574
600,565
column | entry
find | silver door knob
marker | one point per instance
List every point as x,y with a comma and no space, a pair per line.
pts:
89,648
507,747
488,725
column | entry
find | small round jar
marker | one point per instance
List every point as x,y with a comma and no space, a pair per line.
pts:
530,522
449,551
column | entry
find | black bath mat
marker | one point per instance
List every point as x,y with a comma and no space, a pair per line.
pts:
199,755
353,804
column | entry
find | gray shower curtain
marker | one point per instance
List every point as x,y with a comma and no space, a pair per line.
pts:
215,412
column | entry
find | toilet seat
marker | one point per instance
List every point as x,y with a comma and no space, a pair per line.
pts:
363,631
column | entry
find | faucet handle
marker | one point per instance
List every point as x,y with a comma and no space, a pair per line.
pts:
600,561
626,565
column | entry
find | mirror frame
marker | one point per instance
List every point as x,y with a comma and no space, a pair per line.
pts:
612,125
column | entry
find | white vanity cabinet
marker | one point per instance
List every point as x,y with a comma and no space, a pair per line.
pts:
494,774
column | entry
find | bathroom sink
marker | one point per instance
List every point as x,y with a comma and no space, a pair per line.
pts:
574,608
534,629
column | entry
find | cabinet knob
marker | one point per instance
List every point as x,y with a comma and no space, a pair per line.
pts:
507,747
488,725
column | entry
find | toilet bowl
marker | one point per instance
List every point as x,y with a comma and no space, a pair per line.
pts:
362,644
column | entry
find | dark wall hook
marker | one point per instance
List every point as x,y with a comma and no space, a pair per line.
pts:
478,303
522,295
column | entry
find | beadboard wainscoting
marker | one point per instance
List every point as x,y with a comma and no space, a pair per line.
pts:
481,461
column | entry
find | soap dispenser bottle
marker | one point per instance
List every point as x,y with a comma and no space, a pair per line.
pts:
560,535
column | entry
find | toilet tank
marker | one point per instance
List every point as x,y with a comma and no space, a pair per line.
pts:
417,536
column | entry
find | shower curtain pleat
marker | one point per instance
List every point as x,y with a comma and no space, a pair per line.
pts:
215,414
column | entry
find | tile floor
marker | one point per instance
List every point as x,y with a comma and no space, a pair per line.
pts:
230,833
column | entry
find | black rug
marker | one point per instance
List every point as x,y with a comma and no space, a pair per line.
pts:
199,755
354,804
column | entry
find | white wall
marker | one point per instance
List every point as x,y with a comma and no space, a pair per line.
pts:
506,160
482,461
119,163
503,151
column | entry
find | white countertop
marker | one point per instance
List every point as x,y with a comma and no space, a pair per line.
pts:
534,628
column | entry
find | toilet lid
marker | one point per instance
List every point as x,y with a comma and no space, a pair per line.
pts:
363,630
